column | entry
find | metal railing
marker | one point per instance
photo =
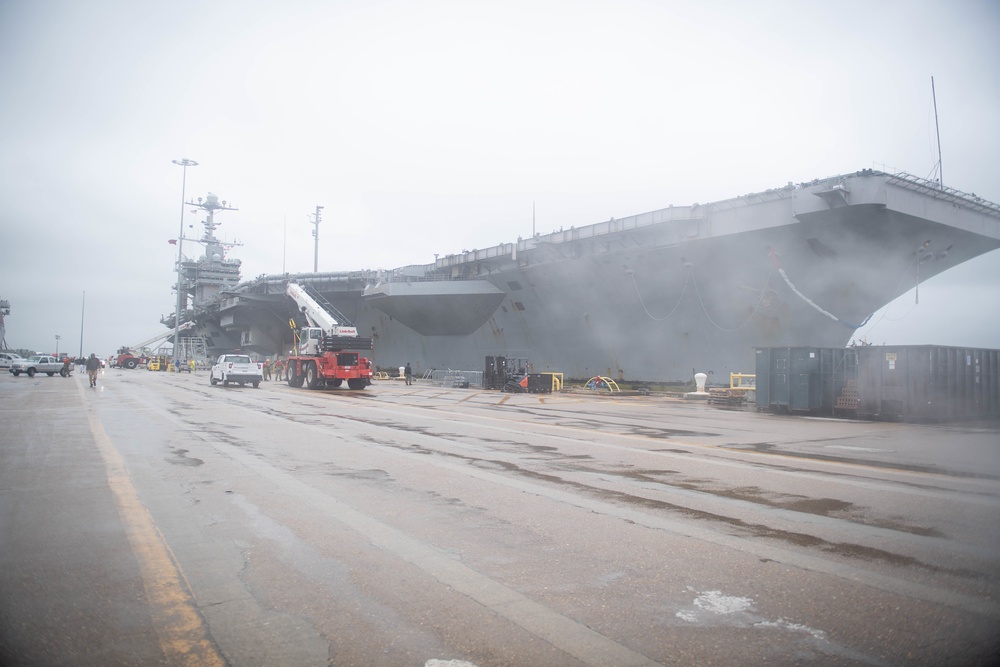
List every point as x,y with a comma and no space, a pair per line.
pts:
453,378
935,189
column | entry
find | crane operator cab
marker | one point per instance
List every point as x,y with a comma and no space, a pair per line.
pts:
310,341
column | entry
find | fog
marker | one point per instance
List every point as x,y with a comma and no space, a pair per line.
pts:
427,128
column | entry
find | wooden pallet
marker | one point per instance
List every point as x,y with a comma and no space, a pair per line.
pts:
849,398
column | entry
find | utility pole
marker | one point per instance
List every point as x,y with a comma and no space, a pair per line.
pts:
316,221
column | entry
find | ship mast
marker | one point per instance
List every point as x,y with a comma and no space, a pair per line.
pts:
317,217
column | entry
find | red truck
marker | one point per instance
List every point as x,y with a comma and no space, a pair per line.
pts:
328,350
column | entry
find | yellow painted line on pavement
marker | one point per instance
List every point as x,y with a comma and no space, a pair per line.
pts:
181,630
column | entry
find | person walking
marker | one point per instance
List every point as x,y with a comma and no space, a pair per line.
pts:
267,368
93,365
408,373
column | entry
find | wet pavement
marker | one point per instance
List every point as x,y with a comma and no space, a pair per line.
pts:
159,520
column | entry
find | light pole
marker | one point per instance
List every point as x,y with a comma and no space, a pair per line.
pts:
83,310
57,345
184,163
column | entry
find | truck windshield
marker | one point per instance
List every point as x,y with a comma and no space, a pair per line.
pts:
234,359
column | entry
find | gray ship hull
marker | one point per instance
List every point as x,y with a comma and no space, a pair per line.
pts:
654,297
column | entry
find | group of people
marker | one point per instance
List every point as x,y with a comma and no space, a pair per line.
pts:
91,363
276,367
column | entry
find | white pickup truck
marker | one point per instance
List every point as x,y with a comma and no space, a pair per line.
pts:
236,368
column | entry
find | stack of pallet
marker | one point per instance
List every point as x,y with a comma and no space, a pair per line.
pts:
849,398
721,396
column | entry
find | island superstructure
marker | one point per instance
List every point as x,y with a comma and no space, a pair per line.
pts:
648,297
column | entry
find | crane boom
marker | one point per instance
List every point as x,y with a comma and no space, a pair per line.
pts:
158,337
319,312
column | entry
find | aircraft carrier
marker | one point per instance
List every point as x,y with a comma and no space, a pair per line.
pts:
652,297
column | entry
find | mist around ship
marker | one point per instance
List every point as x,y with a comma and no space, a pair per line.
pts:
429,128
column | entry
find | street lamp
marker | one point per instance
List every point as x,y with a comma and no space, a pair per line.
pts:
184,163
83,310
57,344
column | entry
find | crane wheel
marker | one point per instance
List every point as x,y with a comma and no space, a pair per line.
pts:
312,376
293,378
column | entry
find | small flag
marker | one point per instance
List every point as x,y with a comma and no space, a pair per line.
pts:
172,241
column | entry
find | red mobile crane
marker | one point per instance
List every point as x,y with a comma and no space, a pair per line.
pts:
326,350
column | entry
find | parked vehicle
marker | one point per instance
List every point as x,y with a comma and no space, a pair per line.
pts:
236,368
7,358
39,363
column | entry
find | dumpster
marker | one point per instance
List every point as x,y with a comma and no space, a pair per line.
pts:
802,379
899,382
928,382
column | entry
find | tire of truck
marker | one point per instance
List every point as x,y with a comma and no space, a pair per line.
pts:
256,384
357,383
211,380
337,382
294,379
50,374
131,363
16,373
313,380
31,372
225,382
64,373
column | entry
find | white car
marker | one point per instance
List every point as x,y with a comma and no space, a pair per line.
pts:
8,358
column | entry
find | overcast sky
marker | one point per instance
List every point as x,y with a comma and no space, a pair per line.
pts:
433,126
